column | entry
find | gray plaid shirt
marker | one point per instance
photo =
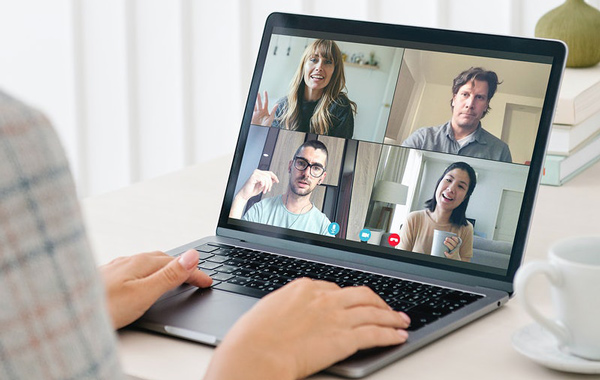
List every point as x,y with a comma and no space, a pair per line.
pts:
53,319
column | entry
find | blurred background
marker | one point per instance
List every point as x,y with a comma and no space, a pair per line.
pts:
141,88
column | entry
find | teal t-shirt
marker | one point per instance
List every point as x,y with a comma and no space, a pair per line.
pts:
272,211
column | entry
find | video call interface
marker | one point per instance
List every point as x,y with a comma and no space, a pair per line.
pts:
408,152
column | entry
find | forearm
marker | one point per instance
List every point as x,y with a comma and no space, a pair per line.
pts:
237,207
242,361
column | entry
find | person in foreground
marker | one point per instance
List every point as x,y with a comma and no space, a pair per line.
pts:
317,101
445,211
58,312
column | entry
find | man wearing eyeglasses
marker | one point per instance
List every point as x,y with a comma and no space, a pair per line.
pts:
293,209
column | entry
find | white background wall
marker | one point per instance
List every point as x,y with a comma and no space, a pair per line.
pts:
139,88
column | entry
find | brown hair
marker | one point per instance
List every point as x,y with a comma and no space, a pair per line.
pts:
476,73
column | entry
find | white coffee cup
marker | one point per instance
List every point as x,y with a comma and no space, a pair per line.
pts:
438,247
574,274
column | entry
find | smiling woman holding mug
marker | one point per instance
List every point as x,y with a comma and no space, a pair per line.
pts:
445,211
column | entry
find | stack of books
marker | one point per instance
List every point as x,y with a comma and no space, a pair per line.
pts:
575,137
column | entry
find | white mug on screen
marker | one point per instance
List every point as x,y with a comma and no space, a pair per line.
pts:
438,247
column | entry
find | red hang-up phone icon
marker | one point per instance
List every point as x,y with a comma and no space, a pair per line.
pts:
394,239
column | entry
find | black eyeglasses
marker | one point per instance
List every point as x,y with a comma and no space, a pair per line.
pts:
316,170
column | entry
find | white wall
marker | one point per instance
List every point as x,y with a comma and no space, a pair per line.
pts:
139,88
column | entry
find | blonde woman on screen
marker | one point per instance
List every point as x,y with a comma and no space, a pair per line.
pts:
317,101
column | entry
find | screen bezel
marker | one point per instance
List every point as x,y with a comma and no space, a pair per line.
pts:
548,51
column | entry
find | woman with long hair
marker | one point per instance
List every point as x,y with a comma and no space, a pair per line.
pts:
445,211
317,101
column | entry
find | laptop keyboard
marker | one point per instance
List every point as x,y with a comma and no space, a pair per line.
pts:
256,273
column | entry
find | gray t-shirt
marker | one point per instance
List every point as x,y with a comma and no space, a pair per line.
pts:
272,211
441,139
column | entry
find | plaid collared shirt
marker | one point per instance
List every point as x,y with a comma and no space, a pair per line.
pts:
53,319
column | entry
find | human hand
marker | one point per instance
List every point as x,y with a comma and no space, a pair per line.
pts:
261,115
452,243
134,283
260,181
303,328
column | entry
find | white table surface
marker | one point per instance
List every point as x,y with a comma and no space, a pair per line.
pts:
174,209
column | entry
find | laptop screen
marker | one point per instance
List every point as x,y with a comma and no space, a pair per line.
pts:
417,145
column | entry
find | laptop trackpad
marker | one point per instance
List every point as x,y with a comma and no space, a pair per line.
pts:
202,315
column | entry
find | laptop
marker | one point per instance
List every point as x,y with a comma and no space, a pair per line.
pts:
370,224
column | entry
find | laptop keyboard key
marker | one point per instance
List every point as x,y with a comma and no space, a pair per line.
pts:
218,259
257,284
243,272
401,305
262,276
209,265
221,276
204,255
227,269
239,280
418,320
207,248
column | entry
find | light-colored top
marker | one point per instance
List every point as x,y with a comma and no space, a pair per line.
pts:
273,212
417,234
441,139
53,320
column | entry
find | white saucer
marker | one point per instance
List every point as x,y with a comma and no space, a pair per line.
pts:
540,346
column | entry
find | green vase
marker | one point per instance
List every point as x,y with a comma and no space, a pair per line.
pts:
578,25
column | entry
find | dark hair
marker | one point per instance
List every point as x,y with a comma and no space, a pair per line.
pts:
315,144
458,215
476,73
